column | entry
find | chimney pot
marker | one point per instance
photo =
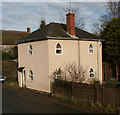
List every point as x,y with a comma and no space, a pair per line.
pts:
70,11
28,30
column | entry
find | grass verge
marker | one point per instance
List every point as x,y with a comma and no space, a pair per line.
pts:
11,83
90,107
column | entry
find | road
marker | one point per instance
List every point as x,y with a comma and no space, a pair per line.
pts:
18,101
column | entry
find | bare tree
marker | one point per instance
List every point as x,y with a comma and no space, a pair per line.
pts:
96,27
79,20
62,17
75,73
112,11
70,72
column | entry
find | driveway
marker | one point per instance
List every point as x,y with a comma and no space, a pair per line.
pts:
19,101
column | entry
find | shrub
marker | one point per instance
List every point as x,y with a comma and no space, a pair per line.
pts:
110,83
15,52
95,82
70,72
7,56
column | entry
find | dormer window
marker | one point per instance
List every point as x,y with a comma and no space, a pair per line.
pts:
58,48
90,49
30,52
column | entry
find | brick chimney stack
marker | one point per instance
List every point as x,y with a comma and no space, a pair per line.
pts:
70,23
28,30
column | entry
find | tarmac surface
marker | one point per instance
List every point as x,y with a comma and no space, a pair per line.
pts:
22,101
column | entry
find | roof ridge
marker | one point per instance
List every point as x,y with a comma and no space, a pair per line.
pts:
49,29
75,27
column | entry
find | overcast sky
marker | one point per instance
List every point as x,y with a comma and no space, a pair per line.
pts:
20,15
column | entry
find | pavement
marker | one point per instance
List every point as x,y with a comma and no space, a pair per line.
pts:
26,101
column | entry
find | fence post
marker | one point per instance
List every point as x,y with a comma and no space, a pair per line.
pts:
117,94
54,87
77,90
108,96
95,93
71,88
102,95
83,92
63,86
89,94
58,86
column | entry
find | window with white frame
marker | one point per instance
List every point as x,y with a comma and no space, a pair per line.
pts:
30,75
58,73
30,50
58,48
91,50
91,72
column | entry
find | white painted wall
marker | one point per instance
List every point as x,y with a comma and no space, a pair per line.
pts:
70,55
44,60
38,63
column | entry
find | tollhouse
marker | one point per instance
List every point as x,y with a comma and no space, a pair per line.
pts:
53,46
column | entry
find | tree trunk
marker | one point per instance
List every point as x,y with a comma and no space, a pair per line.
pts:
117,71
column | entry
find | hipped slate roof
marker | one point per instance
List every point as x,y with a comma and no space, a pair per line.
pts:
57,31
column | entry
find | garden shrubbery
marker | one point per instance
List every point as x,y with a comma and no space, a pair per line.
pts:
7,56
111,83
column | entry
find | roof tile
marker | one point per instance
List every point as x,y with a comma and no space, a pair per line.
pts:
55,30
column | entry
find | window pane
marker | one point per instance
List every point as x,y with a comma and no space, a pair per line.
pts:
91,72
58,46
30,49
91,51
90,48
91,75
58,49
30,75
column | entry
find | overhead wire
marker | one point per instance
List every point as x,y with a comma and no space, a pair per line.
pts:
91,15
22,18
34,12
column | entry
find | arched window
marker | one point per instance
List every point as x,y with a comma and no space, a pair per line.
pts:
30,52
30,75
91,49
91,72
58,48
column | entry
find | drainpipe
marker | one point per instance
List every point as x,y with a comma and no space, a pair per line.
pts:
98,57
78,57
